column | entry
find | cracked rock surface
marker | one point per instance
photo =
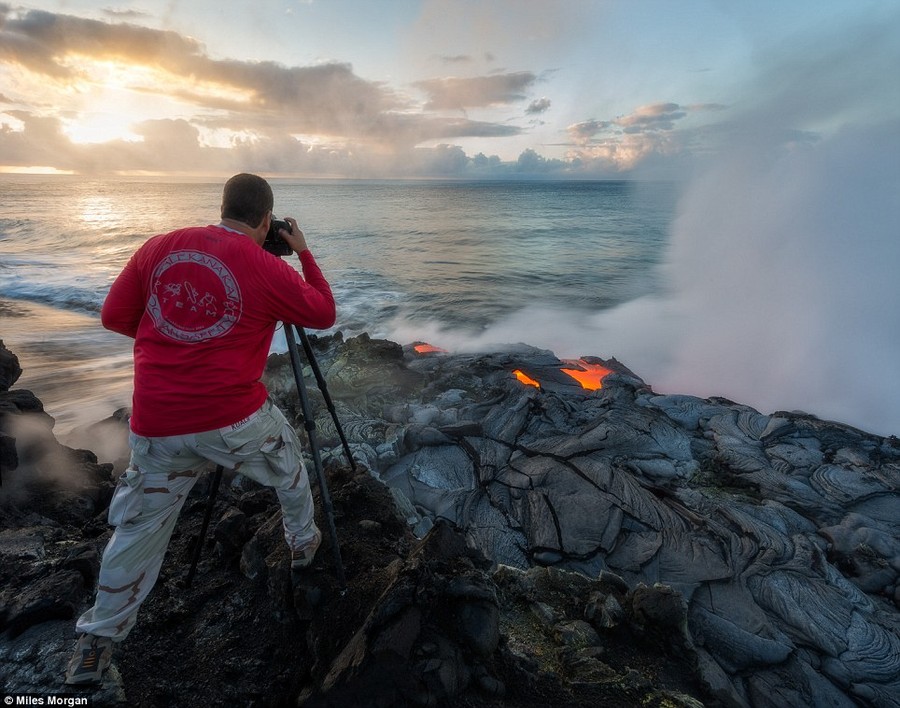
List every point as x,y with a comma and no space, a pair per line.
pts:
779,534
505,545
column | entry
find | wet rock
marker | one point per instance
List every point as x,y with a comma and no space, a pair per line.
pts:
10,371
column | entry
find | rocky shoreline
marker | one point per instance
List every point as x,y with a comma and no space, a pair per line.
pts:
505,544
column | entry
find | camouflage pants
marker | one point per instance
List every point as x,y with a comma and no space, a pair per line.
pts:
151,492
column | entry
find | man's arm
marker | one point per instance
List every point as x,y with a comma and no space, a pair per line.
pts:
321,311
305,301
124,305
314,304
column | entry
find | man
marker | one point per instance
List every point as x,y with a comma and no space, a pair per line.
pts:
202,304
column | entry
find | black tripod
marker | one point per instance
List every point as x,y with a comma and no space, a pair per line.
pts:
309,423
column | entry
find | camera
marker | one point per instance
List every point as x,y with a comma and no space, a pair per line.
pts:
274,243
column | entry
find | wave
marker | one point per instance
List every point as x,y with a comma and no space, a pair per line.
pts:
64,297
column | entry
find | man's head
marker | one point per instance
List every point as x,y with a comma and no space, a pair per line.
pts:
248,199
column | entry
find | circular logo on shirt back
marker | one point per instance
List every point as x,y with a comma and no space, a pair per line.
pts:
193,297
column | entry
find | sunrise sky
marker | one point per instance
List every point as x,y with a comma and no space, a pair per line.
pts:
430,88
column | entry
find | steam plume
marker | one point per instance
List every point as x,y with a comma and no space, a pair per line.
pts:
783,258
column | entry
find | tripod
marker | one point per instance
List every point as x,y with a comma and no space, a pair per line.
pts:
309,424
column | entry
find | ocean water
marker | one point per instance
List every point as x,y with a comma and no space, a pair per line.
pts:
407,260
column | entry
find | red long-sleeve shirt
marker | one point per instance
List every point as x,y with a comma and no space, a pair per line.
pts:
202,304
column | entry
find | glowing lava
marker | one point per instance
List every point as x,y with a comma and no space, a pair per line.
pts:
526,379
428,349
590,376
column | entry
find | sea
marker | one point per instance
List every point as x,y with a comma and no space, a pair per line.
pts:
456,264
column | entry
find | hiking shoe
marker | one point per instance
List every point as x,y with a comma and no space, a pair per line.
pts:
303,557
91,658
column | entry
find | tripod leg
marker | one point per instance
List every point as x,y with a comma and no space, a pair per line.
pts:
217,478
323,387
310,425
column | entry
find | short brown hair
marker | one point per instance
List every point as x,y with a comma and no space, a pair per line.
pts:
247,198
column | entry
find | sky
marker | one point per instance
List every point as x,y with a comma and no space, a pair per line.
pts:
425,88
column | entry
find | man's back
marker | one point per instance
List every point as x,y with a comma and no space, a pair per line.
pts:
202,304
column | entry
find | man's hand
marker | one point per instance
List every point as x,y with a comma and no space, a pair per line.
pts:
295,240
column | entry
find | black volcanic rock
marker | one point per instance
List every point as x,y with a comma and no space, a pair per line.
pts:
571,547
10,371
775,537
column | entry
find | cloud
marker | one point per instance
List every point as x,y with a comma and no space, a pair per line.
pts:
625,152
532,163
120,14
651,118
456,59
41,41
658,116
331,95
538,106
582,133
452,93
266,100
649,133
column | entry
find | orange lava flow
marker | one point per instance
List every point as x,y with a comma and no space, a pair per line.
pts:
428,349
590,376
526,379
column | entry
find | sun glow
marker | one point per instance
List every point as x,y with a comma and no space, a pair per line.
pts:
100,128
108,100
32,170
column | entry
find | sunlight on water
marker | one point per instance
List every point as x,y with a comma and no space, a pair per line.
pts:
98,212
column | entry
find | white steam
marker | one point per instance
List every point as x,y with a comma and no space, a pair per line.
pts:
42,461
784,259
784,269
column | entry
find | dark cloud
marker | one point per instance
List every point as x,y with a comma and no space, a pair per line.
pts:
453,93
538,106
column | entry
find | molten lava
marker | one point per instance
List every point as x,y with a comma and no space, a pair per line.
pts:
590,376
428,349
526,379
